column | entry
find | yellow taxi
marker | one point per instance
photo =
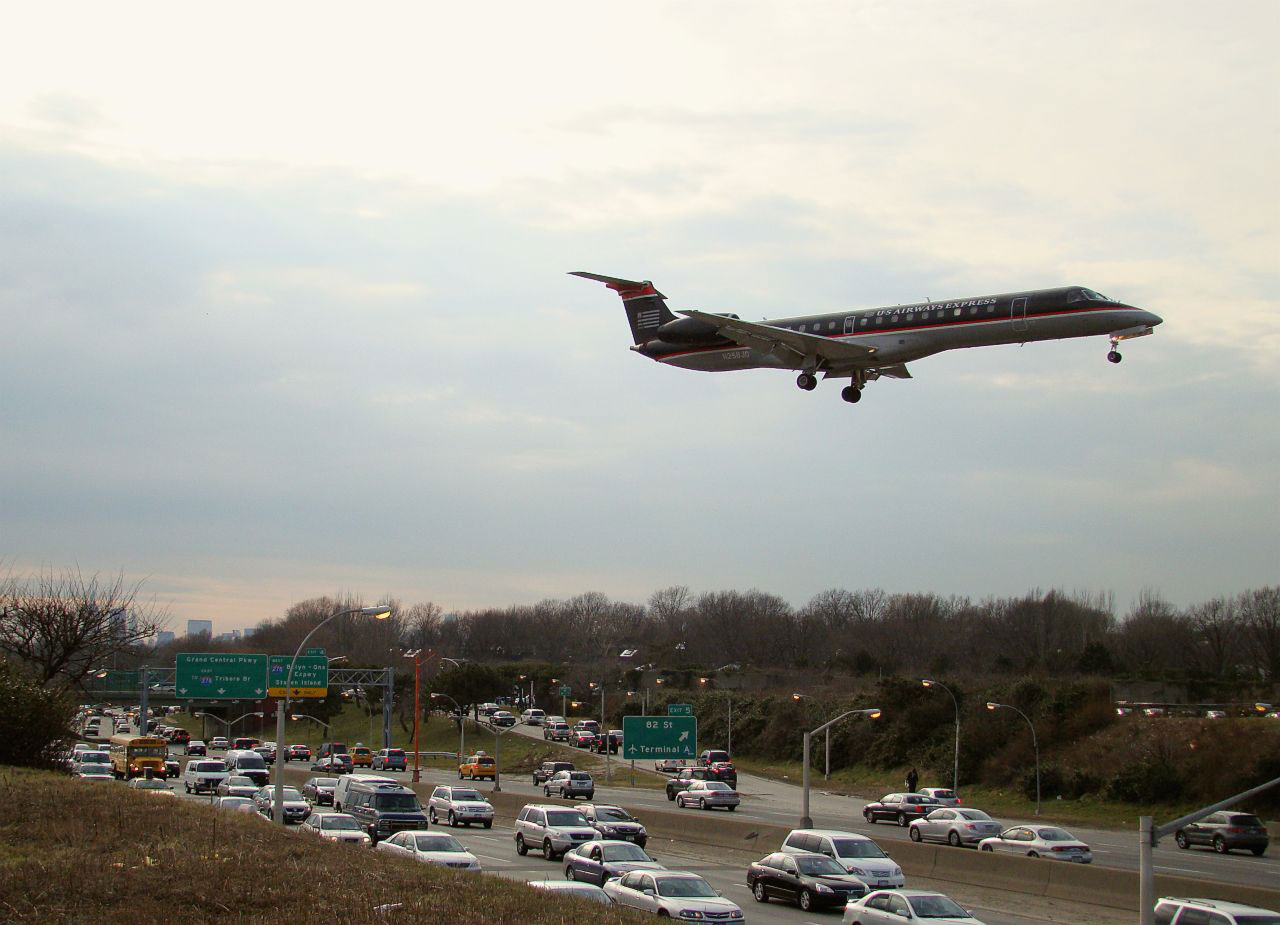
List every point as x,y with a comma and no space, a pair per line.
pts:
361,756
478,767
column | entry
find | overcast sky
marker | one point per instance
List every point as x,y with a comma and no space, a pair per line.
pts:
285,309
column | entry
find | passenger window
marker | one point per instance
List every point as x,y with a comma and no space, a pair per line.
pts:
879,320
909,316
991,309
973,311
1164,914
956,313
863,323
795,841
894,319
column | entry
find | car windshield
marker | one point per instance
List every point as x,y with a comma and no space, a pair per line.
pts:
339,823
398,802
565,817
467,796
624,853
438,843
973,814
936,907
252,762
148,751
1054,835
684,886
486,761
210,767
94,758
326,782
291,794
716,785
818,866
239,781
233,802
611,814
857,848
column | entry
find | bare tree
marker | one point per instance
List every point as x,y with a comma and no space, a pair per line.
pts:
1260,613
63,626
1216,624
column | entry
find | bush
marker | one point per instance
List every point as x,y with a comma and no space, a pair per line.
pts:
35,723
1146,781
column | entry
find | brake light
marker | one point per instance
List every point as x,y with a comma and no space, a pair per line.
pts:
970,826
1235,830
1064,848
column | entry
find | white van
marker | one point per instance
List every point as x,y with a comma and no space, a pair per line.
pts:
856,853
346,780
249,764
533,717
204,774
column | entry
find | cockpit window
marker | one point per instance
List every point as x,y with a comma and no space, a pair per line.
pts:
1089,294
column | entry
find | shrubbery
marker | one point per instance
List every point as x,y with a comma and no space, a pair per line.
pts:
34,722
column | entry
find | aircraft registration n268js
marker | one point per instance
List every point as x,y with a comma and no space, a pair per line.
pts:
865,345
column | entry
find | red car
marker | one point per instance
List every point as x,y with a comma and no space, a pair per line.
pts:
300,752
584,739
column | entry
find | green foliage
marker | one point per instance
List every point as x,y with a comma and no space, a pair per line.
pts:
1143,781
35,722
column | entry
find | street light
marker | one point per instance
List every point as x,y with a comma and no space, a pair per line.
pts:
806,821
608,768
378,612
1034,744
296,716
416,655
955,774
233,722
826,768
462,722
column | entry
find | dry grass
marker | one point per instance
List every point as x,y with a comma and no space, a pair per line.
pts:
74,851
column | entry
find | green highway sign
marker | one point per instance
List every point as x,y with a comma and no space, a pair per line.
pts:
679,709
310,676
315,652
659,737
566,690
221,676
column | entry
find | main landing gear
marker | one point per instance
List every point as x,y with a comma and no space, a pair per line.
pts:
852,394
807,381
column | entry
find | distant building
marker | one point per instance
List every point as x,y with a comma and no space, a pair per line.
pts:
164,638
199,627
229,636
248,633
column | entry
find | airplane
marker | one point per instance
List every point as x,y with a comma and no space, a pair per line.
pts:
868,344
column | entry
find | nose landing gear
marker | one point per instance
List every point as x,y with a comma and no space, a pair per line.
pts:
1114,356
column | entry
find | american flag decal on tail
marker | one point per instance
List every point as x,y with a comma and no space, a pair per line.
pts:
648,318
646,307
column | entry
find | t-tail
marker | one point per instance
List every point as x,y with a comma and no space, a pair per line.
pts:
646,307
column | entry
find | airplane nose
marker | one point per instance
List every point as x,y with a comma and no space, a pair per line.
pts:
1152,318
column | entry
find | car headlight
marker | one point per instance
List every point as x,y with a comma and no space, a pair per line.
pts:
690,914
897,871
823,888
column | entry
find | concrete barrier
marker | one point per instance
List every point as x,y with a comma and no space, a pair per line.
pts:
1001,871
1100,886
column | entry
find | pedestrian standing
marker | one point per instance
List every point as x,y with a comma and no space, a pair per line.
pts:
912,779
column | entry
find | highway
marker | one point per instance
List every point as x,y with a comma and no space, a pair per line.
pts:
779,803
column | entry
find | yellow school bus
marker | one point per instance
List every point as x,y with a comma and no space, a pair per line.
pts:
134,755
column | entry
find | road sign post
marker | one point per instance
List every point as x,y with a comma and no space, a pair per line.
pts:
659,737
220,676
310,676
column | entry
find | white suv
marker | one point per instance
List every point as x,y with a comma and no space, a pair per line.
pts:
533,717
1173,911
204,774
553,829
461,806
857,854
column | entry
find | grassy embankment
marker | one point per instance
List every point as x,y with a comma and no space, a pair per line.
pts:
873,783
520,754
74,851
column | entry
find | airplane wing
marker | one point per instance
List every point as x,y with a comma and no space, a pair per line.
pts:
781,341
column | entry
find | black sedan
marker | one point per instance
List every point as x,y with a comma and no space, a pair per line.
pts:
1224,831
813,881
901,808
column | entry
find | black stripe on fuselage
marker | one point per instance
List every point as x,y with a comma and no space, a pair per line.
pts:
926,316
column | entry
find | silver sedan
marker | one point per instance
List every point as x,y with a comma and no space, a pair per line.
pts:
1040,841
708,794
956,827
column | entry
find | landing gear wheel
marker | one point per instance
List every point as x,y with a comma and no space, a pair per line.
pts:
851,394
759,893
807,381
1114,356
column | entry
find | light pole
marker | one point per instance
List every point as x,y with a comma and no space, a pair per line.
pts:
1034,744
955,774
416,655
379,612
497,755
826,768
728,696
806,821
608,768
297,716
462,723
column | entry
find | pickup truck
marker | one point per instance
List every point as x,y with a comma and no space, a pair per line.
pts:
686,776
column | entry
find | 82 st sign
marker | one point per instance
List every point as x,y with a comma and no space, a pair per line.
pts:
659,737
